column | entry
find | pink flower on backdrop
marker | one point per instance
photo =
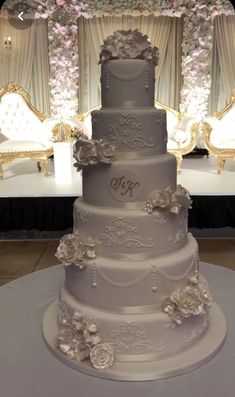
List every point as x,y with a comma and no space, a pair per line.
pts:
78,10
86,15
60,2
73,28
68,43
61,29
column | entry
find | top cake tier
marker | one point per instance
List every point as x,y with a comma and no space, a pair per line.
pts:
127,83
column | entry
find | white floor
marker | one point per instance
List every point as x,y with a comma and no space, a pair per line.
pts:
21,179
199,176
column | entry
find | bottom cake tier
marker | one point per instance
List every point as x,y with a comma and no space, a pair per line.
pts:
146,346
140,336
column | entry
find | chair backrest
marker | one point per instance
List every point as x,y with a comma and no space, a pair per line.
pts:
19,120
224,128
228,108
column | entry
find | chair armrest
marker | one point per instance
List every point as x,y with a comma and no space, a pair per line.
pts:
187,123
180,136
183,140
183,131
213,121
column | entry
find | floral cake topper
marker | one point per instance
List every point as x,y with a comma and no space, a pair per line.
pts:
131,44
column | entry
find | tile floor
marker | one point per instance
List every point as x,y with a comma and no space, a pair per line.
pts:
18,258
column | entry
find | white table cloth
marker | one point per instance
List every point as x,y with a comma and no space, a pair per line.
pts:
29,369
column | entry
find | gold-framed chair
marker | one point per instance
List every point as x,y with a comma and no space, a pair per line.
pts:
22,130
182,131
219,133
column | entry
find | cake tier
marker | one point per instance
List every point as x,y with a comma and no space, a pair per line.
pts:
127,83
133,132
139,337
205,343
131,286
130,232
128,182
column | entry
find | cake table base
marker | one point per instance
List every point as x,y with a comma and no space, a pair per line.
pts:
188,360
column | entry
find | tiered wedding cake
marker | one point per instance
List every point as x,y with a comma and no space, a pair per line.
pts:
133,305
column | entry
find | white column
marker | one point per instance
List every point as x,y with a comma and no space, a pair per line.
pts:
63,162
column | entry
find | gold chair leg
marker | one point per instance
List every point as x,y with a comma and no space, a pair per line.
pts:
45,167
179,164
39,166
1,172
220,164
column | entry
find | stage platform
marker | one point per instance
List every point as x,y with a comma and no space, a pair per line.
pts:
28,200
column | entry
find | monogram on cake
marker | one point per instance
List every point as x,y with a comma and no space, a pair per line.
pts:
133,305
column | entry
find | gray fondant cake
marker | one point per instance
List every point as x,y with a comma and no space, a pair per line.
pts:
133,305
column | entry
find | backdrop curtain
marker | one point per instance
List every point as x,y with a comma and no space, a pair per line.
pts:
223,61
26,63
39,87
163,32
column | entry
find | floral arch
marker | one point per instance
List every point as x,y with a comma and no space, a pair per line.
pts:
63,48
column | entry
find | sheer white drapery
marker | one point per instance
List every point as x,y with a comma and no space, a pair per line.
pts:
39,87
163,32
17,62
26,63
223,62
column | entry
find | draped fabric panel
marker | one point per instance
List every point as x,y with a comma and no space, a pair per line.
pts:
26,63
170,79
223,70
213,100
39,87
163,32
17,62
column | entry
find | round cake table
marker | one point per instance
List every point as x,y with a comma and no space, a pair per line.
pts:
29,369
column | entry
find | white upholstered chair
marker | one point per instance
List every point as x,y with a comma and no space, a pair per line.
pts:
182,131
219,133
23,133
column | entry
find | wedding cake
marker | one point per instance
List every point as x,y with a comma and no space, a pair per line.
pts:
133,305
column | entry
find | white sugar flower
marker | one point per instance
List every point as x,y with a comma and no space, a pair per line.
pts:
102,356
